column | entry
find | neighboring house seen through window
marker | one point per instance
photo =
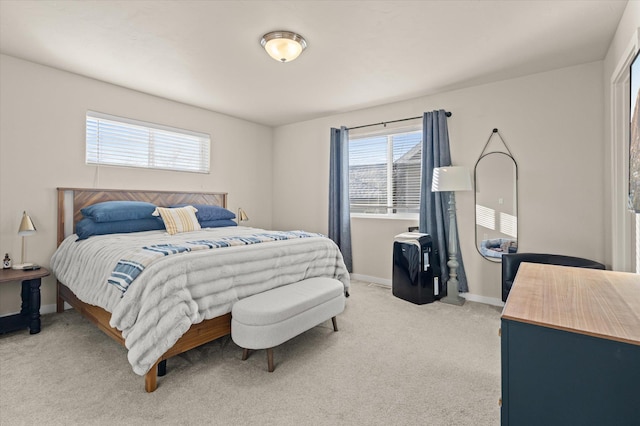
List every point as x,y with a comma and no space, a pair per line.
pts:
118,141
384,172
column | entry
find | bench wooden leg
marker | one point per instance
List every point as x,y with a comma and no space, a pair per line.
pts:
245,354
335,323
270,360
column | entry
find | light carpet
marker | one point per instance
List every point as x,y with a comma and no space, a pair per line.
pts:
391,362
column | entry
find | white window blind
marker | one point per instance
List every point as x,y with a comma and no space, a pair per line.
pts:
119,141
384,173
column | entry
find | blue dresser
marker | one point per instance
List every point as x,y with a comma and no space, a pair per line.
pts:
571,347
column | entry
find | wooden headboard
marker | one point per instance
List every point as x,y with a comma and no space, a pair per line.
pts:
83,197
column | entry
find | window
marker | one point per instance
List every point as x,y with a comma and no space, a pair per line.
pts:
384,173
117,141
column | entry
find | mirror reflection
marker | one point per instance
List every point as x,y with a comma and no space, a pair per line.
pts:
496,195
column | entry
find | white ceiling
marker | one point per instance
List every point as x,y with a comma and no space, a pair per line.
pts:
360,54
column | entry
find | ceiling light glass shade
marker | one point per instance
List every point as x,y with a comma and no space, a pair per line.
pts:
283,46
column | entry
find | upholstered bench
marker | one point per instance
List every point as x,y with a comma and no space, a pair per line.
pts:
266,320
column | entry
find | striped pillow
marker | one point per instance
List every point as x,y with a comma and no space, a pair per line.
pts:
177,220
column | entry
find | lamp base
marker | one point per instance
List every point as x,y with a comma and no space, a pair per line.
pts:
23,266
452,297
453,300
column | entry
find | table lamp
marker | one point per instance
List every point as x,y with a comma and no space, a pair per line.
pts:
242,215
26,228
451,179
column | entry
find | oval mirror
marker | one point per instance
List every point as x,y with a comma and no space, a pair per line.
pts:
496,195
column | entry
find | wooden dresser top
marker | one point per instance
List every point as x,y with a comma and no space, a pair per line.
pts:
598,303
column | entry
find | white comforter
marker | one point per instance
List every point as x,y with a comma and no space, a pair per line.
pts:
179,290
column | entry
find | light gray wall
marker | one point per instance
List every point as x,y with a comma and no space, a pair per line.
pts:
553,124
42,146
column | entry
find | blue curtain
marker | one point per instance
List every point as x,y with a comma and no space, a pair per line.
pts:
434,206
339,213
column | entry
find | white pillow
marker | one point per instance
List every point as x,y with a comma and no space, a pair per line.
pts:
182,219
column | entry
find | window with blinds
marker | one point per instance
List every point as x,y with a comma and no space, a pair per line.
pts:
118,141
384,173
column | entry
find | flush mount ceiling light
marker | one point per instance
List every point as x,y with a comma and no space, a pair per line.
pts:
283,46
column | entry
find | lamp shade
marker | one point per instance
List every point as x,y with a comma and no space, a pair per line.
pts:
283,46
242,215
451,179
26,225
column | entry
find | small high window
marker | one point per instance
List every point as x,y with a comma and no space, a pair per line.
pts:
118,141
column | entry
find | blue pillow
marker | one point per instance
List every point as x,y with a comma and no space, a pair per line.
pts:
112,211
217,223
207,212
87,227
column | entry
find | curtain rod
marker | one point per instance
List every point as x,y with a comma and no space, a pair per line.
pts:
384,123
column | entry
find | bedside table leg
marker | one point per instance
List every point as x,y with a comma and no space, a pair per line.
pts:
26,297
34,305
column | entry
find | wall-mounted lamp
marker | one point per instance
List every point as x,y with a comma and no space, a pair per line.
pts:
26,228
283,46
242,216
451,179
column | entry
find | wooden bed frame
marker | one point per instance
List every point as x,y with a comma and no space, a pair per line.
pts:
198,334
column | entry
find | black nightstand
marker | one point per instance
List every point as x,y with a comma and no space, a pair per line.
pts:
29,316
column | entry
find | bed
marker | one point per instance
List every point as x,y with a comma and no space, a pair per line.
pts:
197,322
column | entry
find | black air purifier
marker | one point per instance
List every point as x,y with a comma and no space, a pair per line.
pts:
416,269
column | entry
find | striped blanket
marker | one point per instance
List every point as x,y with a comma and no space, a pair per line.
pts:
128,269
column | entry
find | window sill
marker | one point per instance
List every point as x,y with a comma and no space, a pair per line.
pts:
397,216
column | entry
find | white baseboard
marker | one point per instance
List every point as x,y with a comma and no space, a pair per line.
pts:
494,301
50,309
369,279
469,296
44,309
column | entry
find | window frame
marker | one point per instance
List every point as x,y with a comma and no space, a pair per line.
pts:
158,141
387,131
